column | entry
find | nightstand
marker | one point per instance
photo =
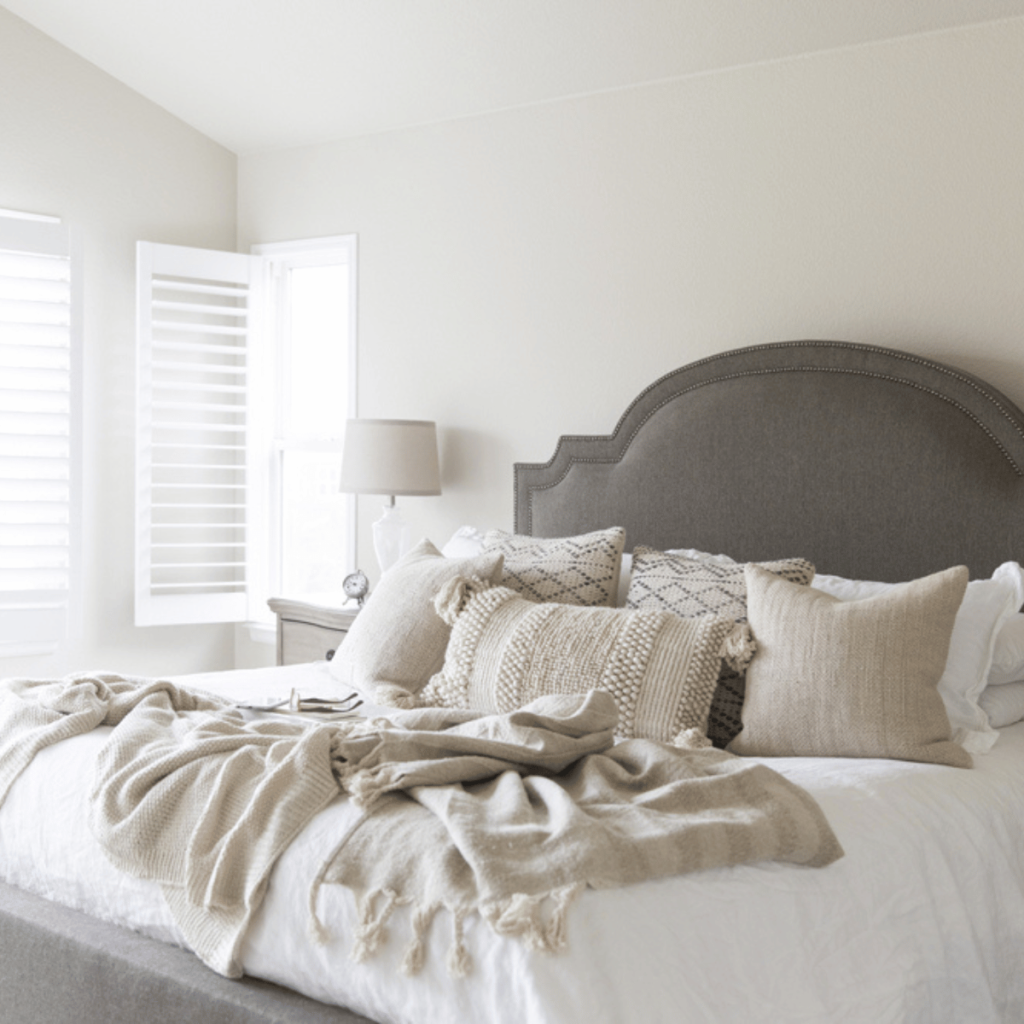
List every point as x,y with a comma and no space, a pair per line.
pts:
309,632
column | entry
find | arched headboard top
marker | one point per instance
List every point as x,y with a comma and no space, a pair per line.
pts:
870,461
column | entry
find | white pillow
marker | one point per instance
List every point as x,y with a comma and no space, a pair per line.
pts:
1004,705
466,542
701,556
987,604
1008,657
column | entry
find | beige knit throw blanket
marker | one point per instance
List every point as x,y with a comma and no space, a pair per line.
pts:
511,816
187,792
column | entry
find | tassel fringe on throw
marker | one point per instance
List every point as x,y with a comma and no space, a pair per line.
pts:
538,921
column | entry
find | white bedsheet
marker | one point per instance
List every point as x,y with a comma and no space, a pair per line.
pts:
921,921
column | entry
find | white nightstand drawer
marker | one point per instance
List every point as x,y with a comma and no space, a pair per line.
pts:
301,642
309,632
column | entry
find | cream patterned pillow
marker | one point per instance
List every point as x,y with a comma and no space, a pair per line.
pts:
505,651
860,678
688,587
580,570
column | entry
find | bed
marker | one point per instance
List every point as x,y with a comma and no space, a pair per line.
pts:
870,463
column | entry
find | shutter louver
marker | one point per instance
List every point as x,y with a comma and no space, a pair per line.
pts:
193,473
35,432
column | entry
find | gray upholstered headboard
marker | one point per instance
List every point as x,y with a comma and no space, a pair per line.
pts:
870,462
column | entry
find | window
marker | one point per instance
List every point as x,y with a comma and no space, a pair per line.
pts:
246,378
311,305
39,419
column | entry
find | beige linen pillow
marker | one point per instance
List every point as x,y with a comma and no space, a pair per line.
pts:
674,582
581,570
505,651
397,640
860,678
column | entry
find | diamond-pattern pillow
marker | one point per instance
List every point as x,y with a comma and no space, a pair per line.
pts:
581,570
689,588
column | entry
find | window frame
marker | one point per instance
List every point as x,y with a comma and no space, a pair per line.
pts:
35,234
278,258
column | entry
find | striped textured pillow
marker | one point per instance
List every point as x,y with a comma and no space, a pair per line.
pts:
505,651
860,678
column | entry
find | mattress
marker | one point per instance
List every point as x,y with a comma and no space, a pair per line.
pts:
921,921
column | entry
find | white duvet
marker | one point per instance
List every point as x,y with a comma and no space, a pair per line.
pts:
921,921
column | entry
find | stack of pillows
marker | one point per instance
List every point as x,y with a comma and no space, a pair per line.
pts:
1002,698
764,658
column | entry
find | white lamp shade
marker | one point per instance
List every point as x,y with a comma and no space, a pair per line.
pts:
390,457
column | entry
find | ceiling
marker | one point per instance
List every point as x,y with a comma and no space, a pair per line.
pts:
267,74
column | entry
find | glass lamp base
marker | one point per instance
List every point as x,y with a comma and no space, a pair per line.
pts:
390,537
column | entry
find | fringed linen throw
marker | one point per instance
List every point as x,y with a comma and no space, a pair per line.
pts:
493,815
509,816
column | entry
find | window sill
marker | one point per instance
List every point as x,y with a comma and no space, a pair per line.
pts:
30,650
262,632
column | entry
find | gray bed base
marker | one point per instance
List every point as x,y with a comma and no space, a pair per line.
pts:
59,966
872,463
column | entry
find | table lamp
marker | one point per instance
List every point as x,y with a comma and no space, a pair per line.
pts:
390,457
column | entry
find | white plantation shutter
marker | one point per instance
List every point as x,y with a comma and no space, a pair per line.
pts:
196,365
36,417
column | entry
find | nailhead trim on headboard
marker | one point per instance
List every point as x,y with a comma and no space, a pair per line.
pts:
986,394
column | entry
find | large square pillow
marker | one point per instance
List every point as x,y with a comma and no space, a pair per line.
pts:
711,585
859,678
397,641
581,570
987,606
505,651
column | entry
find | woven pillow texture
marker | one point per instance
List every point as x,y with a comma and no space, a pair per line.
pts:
860,678
687,587
505,651
987,605
397,641
581,570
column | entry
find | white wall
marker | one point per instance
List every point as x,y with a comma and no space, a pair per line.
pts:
77,144
526,274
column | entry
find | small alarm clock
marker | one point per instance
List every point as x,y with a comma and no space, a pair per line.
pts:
356,586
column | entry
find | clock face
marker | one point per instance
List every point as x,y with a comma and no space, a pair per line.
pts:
356,585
